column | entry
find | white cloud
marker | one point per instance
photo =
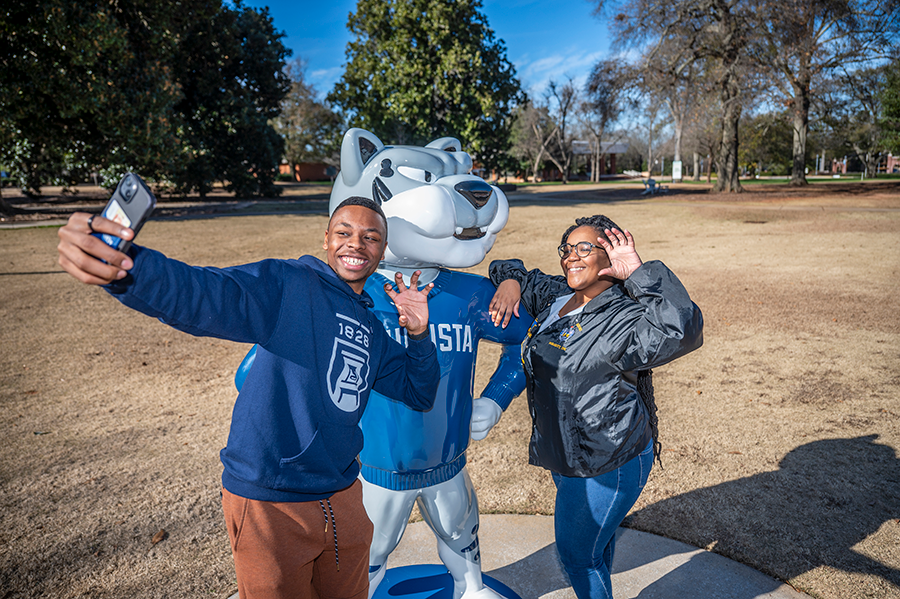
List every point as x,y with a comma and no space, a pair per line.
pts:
324,79
575,63
332,75
544,65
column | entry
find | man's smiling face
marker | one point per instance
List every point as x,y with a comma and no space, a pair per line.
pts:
354,244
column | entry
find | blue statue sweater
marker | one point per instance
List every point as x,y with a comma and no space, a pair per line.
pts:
295,432
407,449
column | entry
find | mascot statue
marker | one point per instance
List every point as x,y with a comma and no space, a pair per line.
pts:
439,217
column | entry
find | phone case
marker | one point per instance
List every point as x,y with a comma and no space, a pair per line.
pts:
130,206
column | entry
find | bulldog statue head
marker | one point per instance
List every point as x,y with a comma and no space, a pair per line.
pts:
438,213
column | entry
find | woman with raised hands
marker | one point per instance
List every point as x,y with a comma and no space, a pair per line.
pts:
599,329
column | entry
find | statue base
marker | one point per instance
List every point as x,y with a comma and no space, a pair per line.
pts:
428,581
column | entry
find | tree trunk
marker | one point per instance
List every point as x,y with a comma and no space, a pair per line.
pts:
696,173
801,129
6,209
565,154
679,131
733,42
727,155
727,159
872,159
542,149
537,165
562,166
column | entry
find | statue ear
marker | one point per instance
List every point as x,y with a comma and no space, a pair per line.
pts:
462,160
357,150
448,144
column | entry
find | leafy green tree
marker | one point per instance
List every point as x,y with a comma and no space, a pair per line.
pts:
168,91
890,105
230,69
85,85
312,131
766,143
856,115
422,69
632,159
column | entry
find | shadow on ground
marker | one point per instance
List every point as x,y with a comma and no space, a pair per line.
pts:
839,491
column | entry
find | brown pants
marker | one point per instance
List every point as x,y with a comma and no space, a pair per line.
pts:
289,550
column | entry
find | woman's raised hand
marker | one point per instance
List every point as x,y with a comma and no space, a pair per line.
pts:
623,258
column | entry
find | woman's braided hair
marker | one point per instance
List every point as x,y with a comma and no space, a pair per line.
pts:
599,223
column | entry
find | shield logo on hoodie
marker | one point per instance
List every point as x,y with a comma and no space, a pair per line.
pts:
348,374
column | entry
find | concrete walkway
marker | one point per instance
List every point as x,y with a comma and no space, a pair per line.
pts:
519,551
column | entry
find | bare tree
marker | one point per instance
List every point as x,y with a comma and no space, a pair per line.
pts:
563,100
715,31
801,41
608,91
697,135
706,134
532,132
679,81
693,104
724,39
312,131
651,112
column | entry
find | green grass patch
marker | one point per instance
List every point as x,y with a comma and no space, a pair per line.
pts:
547,183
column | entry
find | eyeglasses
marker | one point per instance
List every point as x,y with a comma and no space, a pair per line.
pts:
582,248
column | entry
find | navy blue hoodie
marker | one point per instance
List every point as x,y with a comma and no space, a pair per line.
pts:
294,431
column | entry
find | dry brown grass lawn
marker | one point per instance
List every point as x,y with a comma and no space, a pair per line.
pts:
780,435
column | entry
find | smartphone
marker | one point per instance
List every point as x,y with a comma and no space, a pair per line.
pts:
130,206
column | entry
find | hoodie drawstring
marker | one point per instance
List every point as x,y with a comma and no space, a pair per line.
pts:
333,529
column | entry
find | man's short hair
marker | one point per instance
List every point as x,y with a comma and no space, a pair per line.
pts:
364,202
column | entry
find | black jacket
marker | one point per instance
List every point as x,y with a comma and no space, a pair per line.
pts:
587,415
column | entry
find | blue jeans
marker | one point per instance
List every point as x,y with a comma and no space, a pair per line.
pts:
588,512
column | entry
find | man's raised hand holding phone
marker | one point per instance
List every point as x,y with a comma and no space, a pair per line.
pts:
85,256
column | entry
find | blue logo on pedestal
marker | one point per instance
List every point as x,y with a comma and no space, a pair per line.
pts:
429,581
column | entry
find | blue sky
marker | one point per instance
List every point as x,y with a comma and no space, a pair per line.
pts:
544,38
